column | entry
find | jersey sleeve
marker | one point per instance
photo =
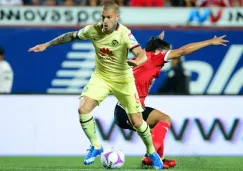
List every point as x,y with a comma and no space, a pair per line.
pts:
84,33
166,56
161,58
130,41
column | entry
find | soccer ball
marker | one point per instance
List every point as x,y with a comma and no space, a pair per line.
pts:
112,158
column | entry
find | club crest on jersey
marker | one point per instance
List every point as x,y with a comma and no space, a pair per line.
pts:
114,43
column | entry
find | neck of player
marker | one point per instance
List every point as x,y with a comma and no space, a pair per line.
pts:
113,29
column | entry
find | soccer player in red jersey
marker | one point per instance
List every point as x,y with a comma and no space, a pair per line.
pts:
158,53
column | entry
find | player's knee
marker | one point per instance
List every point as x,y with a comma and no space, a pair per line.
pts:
83,110
166,118
136,121
137,124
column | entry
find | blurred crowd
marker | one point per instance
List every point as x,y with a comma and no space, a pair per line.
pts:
131,3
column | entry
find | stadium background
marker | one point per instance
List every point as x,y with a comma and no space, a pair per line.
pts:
40,116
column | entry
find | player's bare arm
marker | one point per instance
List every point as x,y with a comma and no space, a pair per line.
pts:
141,57
64,38
192,47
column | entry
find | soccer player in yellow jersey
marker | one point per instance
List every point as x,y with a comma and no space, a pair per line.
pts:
113,74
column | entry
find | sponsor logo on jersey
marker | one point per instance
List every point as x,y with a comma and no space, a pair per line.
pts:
106,52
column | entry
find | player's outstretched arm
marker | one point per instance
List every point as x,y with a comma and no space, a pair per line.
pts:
140,59
64,38
192,47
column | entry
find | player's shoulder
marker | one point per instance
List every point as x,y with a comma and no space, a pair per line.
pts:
161,53
164,52
5,65
97,26
123,29
160,56
91,28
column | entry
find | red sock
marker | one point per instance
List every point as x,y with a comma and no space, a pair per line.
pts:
158,135
161,151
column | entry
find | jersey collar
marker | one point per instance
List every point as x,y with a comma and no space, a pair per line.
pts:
117,26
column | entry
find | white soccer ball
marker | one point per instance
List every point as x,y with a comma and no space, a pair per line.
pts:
112,158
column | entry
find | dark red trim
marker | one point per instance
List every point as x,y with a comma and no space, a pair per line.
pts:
134,47
77,34
117,27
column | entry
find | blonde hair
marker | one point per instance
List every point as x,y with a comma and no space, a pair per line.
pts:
110,5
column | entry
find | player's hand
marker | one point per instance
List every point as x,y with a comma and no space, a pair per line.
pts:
38,48
219,40
162,35
132,63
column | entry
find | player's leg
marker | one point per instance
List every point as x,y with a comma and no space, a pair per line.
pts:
127,96
143,131
87,122
159,122
121,118
94,93
159,132
153,116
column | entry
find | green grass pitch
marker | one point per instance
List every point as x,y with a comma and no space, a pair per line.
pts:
192,163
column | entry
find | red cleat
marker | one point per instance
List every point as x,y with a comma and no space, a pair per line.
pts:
170,163
146,161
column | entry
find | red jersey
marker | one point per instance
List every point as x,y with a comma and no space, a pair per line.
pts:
146,73
214,3
147,3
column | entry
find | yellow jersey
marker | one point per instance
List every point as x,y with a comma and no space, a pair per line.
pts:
111,50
